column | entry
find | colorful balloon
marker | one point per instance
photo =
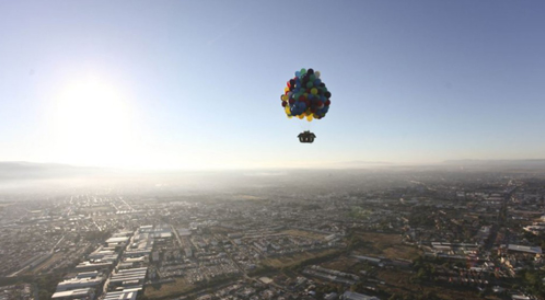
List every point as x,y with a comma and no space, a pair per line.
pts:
306,95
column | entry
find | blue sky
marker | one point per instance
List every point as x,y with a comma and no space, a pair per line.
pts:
198,82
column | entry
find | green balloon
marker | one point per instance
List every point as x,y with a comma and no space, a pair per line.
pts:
310,84
312,77
303,71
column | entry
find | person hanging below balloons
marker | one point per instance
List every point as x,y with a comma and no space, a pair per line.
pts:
306,96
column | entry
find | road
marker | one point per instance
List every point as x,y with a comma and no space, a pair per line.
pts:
177,237
60,240
124,201
98,227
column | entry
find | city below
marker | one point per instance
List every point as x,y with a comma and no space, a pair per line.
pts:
339,234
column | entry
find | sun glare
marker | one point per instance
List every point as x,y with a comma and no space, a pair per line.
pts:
92,125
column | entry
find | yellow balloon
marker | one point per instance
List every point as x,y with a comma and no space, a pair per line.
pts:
290,116
301,116
309,118
287,109
317,74
286,89
284,97
314,91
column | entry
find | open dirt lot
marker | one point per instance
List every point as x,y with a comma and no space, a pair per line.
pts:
168,289
294,259
57,257
388,245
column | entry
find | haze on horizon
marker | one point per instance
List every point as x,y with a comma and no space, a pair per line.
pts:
196,84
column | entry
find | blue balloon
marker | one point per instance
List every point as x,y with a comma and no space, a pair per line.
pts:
310,96
297,73
317,82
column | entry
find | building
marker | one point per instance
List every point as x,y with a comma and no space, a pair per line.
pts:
83,294
93,274
357,296
79,283
331,237
129,294
524,249
368,259
88,266
263,247
117,240
134,277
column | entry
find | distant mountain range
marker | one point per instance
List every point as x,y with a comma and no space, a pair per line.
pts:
500,164
494,160
363,163
20,171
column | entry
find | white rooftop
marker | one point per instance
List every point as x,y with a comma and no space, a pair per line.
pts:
528,249
72,293
129,294
120,239
357,296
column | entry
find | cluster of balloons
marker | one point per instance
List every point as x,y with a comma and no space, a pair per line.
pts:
306,96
